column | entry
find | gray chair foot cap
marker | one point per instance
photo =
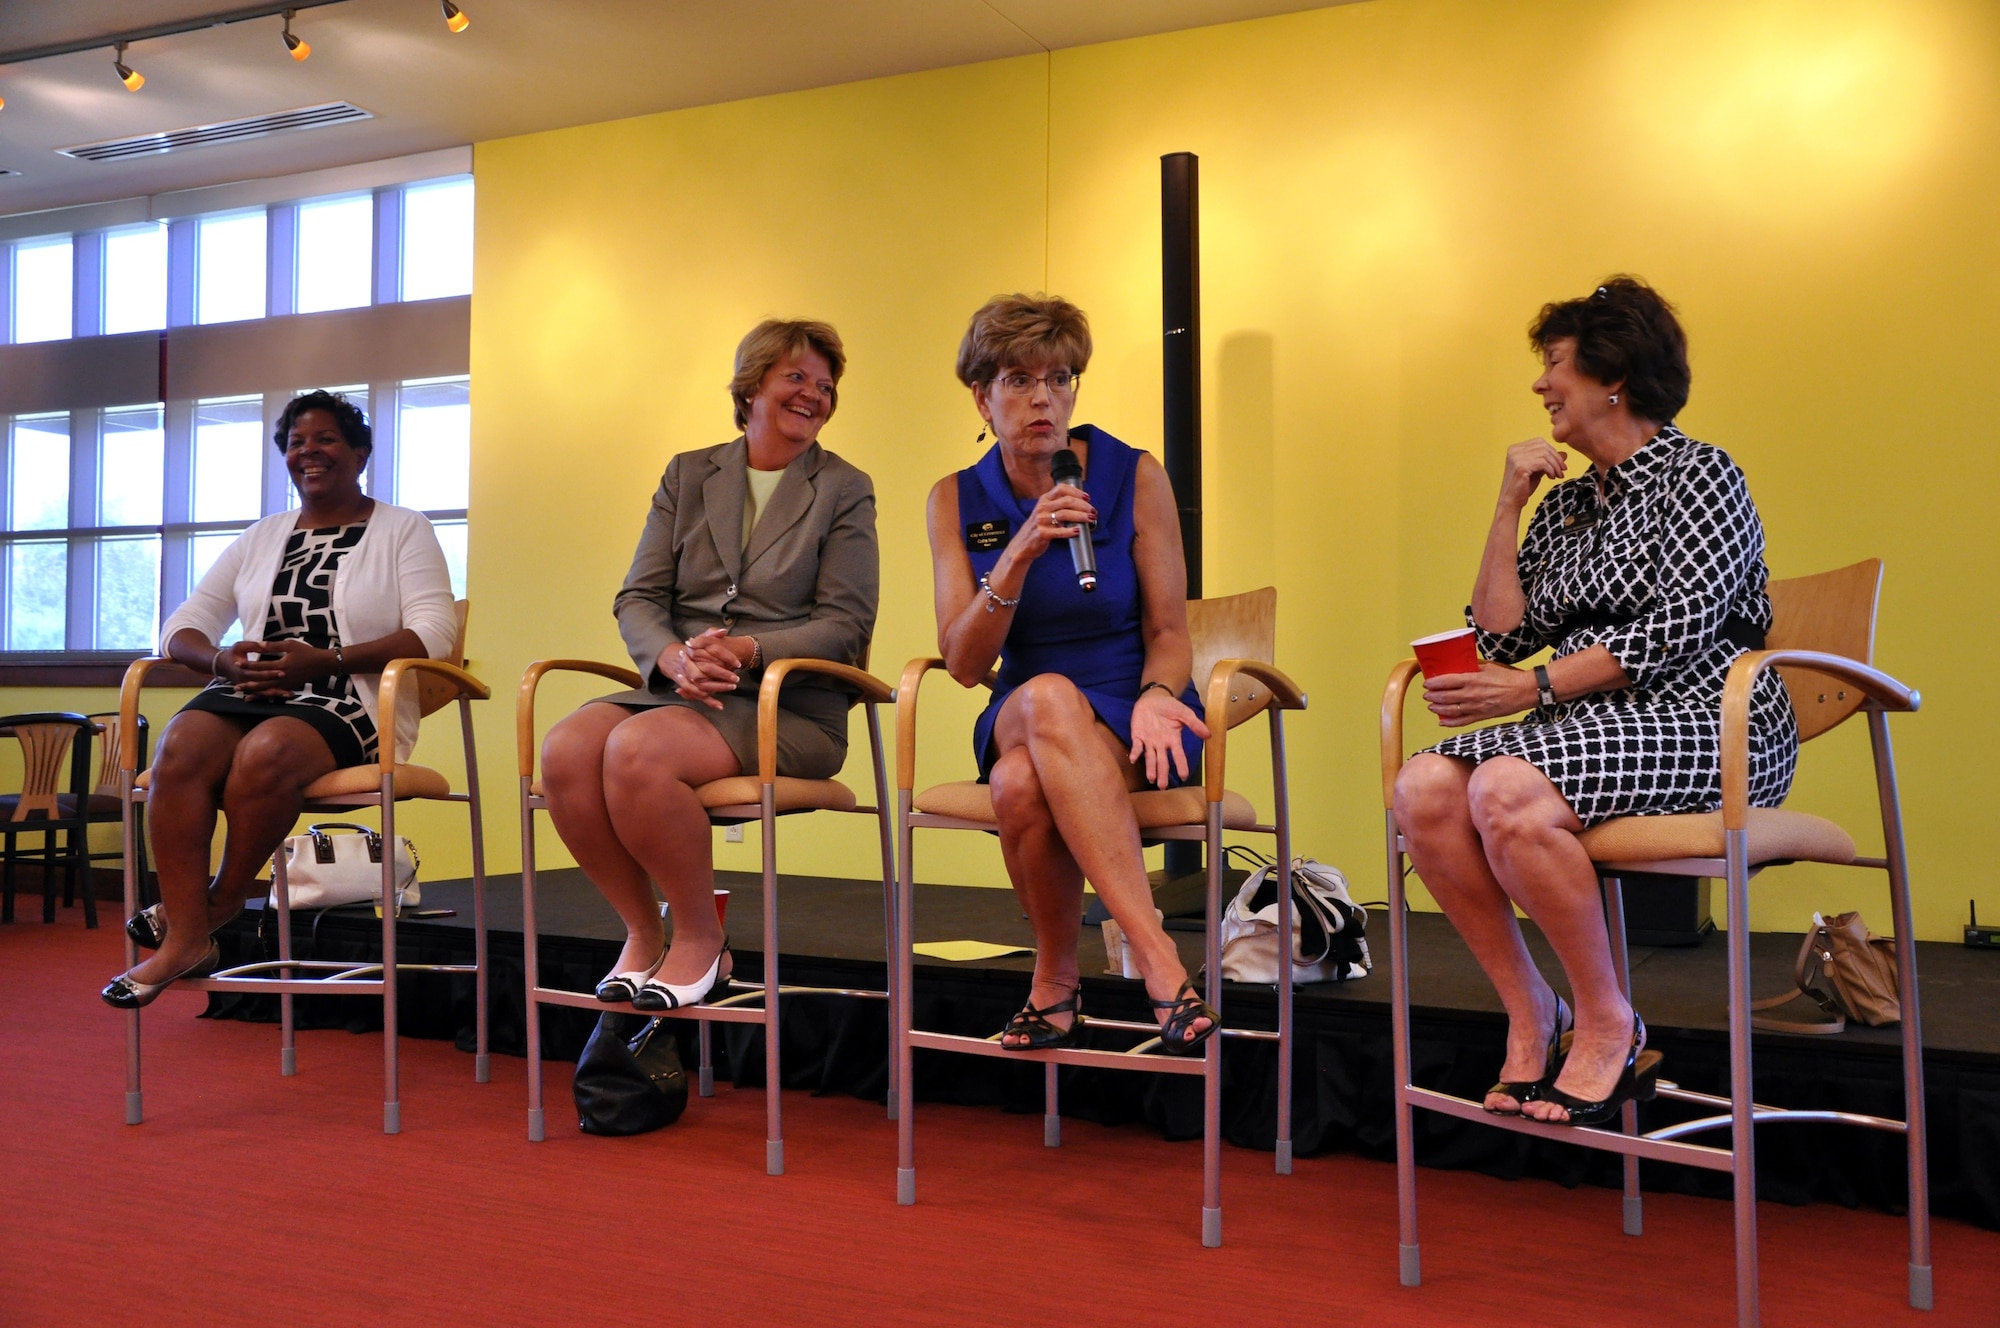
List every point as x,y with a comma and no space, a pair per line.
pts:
1412,1265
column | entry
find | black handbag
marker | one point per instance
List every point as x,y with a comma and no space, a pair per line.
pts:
629,1078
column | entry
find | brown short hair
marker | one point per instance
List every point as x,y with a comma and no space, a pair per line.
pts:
1025,330
1625,332
772,340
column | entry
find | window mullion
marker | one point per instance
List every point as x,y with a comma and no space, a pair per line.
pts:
388,245
277,480
6,299
183,237
281,279
87,300
176,505
385,413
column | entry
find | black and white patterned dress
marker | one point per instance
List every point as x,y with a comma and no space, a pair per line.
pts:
1663,569
301,609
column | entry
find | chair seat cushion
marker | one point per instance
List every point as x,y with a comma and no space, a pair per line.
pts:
790,795
412,781
1775,834
969,800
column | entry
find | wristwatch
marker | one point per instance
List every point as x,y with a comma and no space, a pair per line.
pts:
1545,691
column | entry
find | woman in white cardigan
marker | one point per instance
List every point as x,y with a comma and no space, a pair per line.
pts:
327,596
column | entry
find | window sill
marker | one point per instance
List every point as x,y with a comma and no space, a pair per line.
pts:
88,669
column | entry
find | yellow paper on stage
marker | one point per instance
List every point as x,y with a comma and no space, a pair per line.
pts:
962,950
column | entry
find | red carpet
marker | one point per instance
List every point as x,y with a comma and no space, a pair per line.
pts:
250,1198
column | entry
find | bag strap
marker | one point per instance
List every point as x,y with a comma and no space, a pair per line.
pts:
323,842
1770,1025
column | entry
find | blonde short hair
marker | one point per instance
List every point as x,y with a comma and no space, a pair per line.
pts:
772,340
1024,330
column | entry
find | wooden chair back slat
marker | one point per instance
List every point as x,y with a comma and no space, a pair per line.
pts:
111,746
433,692
1833,612
1235,627
43,747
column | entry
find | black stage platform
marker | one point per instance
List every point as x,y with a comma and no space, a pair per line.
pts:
831,933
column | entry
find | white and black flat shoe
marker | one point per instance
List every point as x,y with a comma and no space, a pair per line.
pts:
148,927
126,992
666,996
618,988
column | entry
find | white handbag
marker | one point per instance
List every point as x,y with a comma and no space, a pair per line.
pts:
1329,930
323,870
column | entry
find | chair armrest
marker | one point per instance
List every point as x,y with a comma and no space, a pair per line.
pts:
524,704
1885,691
1221,714
1394,697
128,707
906,719
467,687
873,691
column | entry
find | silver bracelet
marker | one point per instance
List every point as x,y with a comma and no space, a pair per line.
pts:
756,653
215,660
339,658
994,599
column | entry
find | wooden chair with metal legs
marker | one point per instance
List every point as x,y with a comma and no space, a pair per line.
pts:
1234,642
1822,644
47,738
761,798
381,785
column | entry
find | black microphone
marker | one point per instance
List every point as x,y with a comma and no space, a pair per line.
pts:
1066,469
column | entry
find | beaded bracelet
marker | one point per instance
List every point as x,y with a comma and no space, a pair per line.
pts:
994,599
756,653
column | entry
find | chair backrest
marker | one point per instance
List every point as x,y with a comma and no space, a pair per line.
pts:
1833,612
111,738
434,692
45,739
1235,627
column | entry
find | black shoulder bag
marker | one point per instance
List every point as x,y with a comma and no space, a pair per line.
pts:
629,1078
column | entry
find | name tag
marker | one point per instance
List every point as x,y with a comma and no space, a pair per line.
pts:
1581,520
983,536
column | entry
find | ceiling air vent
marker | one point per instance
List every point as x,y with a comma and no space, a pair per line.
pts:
228,131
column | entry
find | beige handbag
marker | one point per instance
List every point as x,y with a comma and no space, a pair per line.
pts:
1847,970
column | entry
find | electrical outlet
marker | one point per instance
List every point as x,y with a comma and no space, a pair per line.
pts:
733,833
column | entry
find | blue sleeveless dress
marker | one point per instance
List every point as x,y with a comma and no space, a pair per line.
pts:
1092,638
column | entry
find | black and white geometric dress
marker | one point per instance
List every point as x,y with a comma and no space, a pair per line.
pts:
301,609
1664,568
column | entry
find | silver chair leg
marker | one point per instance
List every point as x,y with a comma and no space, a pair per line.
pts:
774,1131
392,1106
903,1000
531,966
1913,1026
1409,1258
1743,1140
482,1061
1051,1109
1628,1116
281,897
1282,820
1211,1079
135,1098
890,940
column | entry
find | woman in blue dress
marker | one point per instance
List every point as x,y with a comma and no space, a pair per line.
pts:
1094,699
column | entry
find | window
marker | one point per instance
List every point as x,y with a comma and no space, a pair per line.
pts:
437,240
44,289
229,268
135,279
37,500
336,253
433,461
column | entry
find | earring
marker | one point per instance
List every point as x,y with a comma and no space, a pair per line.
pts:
1614,398
982,436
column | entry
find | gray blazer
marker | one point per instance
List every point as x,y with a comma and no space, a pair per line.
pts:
807,585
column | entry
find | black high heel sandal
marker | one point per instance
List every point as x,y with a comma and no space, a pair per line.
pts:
1523,1091
1041,1035
1639,1082
1176,1035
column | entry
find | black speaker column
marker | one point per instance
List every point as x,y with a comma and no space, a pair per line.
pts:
1180,346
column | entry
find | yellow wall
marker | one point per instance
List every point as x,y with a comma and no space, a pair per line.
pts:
1389,191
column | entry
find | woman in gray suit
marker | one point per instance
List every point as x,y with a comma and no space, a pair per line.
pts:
755,550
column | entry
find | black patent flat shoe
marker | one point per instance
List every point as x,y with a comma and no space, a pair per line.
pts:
1178,1036
148,927
1032,1025
1638,1082
125,992
1523,1091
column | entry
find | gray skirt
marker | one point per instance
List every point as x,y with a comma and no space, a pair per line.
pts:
812,726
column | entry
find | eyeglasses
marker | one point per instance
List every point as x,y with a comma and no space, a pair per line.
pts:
1061,382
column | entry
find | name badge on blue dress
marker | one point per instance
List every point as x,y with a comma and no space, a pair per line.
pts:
983,536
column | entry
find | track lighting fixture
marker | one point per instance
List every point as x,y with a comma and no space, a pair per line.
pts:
296,45
131,78
454,17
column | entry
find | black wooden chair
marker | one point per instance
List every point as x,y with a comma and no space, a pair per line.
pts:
41,808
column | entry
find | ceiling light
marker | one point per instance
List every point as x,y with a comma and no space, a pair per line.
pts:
296,45
131,78
454,17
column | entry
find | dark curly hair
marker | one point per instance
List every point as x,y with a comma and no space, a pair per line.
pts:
1625,332
347,417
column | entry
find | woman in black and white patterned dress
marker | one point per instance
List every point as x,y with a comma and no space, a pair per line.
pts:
334,592
1646,577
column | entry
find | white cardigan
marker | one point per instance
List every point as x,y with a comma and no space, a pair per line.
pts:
394,578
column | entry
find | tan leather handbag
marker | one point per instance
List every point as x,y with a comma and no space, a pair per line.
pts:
1847,970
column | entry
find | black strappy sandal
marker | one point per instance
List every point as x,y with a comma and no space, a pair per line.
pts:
1638,1082
1177,1035
1523,1091
1033,1025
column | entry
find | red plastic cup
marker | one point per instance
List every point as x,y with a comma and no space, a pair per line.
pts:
1448,652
